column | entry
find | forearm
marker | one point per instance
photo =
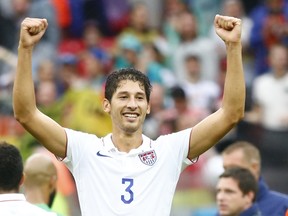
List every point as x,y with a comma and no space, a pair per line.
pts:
23,91
234,88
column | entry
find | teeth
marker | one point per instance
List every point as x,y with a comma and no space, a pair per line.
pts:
131,115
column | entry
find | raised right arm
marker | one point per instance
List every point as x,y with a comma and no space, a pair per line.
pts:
48,132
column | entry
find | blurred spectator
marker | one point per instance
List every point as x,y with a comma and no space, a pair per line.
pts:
67,73
139,25
13,11
12,202
91,41
155,9
128,53
201,93
246,155
270,27
236,191
46,71
171,23
154,125
117,13
94,70
46,93
98,46
40,181
270,111
110,14
47,100
171,118
152,61
205,11
194,44
182,114
270,93
8,61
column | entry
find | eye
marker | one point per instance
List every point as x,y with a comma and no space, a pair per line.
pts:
123,97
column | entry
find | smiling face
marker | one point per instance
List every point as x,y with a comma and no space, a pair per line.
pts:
128,107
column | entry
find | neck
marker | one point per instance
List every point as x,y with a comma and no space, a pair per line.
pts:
124,142
35,196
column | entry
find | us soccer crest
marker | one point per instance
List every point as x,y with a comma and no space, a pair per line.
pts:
148,158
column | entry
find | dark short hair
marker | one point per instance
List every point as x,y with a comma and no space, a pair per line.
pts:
177,92
246,181
114,78
11,167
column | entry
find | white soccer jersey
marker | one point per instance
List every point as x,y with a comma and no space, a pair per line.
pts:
141,182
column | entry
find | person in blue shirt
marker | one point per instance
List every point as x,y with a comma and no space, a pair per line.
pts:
235,193
246,155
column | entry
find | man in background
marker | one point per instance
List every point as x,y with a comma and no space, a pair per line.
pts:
246,155
236,192
40,180
12,202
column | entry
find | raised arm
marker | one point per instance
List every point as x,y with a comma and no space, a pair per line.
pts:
45,130
209,131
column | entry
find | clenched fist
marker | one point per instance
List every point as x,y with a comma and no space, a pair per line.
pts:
32,29
228,28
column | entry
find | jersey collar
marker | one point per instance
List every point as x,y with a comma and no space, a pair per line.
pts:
110,147
12,197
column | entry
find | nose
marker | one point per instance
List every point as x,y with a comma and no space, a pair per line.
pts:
219,196
132,104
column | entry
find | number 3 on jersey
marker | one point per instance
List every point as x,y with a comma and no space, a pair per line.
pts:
129,195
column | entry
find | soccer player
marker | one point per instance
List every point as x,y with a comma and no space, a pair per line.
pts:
125,172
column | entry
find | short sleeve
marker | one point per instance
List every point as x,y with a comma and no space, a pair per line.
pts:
77,143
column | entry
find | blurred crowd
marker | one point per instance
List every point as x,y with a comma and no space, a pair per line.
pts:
174,43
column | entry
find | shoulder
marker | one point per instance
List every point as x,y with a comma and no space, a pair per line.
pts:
273,203
280,197
252,211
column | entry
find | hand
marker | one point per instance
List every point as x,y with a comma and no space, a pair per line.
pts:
32,29
228,28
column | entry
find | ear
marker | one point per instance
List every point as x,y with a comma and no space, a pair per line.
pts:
106,106
22,179
250,197
52,183
255,169
148,109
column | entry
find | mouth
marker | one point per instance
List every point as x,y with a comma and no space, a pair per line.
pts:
222,207
131,115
